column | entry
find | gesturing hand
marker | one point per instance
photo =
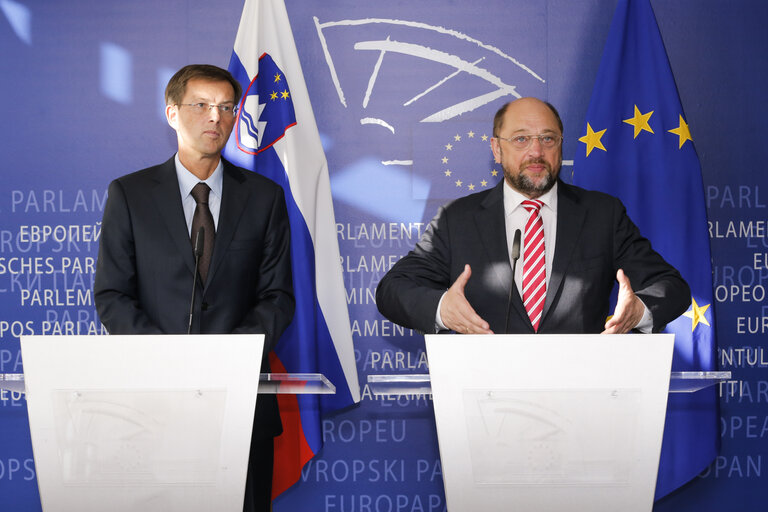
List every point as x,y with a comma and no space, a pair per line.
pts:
629,309
456,312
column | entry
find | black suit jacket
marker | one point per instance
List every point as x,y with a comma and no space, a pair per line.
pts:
595,238
145,268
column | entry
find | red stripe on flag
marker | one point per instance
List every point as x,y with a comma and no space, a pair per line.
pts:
291,448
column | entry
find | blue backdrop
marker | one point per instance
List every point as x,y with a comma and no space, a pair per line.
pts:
82,89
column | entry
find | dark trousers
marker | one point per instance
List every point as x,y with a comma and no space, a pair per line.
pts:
258,482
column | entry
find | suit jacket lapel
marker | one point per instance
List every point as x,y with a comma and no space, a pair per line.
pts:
167,199
570,218
491,226
233,201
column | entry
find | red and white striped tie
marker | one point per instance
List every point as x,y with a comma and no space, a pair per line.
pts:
534,264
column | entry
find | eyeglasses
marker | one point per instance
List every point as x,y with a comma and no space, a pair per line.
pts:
524,141
203,108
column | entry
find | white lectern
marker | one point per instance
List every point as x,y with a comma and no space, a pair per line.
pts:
150,423
550,423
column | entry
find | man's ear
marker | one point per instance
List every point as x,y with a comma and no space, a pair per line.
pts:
171,114
496,149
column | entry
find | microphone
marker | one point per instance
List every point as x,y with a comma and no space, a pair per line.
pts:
515,249
199,244
515,254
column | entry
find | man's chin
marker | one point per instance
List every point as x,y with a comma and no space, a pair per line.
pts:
538,184
527,184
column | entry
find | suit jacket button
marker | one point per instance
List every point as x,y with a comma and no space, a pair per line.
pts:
204,306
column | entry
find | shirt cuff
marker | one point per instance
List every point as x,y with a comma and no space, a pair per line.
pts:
645,325
439,325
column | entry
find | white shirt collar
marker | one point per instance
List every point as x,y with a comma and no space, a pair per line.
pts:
187,180
513,198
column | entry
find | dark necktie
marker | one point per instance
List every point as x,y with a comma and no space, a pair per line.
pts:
203,218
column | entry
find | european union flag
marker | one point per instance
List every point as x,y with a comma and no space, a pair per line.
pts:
637,146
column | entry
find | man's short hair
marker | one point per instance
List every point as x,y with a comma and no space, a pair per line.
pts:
498,119
177,85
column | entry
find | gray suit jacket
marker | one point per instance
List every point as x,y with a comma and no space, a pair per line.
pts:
145,268
595,238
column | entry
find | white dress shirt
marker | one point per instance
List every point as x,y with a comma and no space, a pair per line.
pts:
515,218
187,182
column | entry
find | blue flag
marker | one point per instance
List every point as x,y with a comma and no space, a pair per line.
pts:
636,145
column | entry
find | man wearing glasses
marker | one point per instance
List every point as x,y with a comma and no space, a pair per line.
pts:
574,244
152,219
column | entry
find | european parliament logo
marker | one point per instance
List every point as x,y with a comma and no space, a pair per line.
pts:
453,159
266,109
418,96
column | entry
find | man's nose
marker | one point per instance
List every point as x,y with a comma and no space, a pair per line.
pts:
536,147
213,113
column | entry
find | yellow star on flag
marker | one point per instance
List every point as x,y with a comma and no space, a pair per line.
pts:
484,183
471,134
445,159
484,138
640,121
683,132
447,172
494,172
277,77
285,95
696,314
449,147
458,183
592,139
457,137
273,96
471,186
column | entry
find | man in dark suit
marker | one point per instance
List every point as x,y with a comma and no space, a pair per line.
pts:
459,276
145,269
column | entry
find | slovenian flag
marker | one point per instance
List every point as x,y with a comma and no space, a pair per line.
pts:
276,136
636,145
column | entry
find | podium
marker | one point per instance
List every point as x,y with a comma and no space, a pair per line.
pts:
151,423
548,422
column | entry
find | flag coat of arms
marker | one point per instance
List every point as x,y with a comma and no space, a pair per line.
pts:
636,145
276,136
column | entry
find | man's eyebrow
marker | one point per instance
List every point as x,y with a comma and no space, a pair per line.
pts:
546,130
199,99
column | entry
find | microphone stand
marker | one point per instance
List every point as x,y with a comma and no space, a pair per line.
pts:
199,243
515,256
